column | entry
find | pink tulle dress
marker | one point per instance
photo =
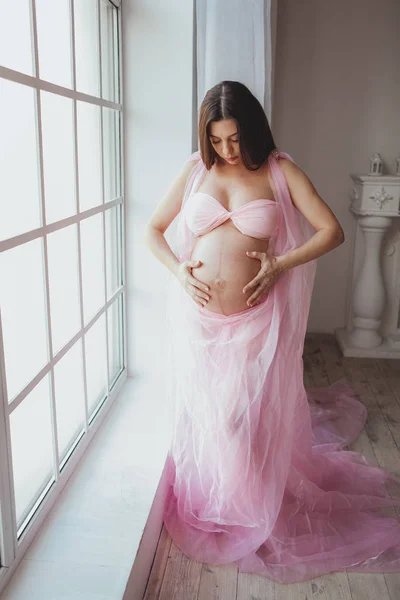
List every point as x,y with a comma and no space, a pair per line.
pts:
257,470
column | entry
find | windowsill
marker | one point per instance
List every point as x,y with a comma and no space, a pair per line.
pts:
88,543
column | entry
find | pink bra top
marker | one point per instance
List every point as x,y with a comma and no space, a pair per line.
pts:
257,218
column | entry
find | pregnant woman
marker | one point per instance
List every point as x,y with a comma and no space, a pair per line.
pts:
257,470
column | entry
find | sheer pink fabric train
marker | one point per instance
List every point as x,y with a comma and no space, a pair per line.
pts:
256,469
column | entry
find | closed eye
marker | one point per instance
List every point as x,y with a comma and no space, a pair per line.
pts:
235,141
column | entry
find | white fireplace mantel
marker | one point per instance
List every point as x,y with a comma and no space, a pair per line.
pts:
373,306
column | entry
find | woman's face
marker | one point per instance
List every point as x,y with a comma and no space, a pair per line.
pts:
224,139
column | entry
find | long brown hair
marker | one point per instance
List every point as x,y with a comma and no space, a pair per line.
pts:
233,100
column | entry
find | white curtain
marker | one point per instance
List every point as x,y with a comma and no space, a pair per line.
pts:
234,42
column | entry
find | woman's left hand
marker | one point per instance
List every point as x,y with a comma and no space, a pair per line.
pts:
270,270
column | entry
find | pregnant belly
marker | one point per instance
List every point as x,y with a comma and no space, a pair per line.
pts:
226,268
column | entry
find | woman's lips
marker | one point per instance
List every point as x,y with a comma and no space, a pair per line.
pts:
231,159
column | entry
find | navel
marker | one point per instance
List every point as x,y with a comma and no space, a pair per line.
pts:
220,283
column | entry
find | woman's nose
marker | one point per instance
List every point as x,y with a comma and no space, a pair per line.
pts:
227,150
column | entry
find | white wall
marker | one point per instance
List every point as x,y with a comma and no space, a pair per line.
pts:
336,102
158,75
336,99
158,126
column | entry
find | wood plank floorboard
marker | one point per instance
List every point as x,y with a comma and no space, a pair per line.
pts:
377,382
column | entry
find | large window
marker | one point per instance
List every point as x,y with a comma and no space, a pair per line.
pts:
62,296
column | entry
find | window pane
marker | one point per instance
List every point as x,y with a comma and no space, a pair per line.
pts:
96,363
64,285
89,155
70,399
115,338
110,141
23,310
118,154
19,171
109,50
113,249
92,265
58,157
54,41
46,176
31,446
15,36
87,47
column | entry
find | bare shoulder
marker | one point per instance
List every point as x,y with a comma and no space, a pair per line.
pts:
289,167
178,183
183,174
170,205
189,164
306,198
296,178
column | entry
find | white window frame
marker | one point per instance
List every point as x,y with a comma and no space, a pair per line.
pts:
12,546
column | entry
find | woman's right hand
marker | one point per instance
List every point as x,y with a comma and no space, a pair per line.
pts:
195,288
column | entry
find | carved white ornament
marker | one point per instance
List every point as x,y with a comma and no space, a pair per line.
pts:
391,247
381,196
373,316
354,194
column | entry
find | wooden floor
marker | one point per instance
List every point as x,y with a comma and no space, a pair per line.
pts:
175,577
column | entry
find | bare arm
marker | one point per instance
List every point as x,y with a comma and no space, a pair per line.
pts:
154,238
163,216
329,233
